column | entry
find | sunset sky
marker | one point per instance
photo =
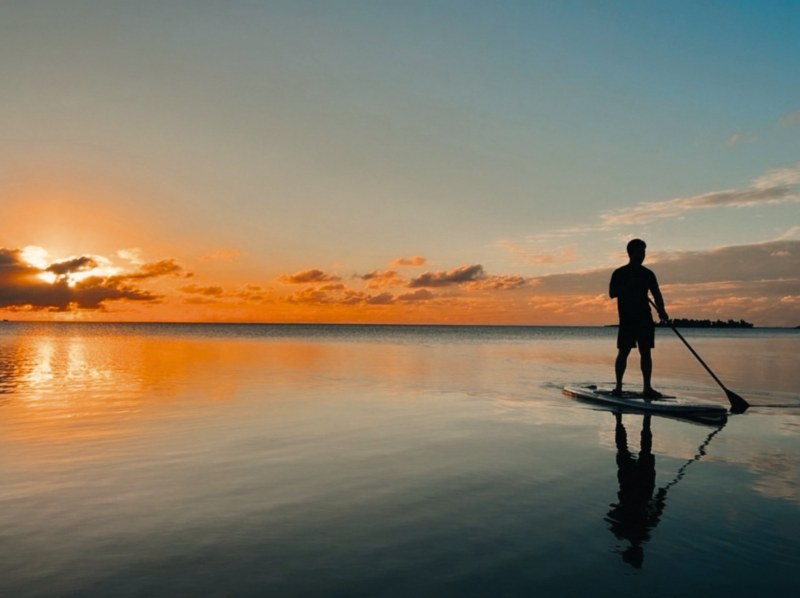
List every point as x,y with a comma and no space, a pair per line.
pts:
401,161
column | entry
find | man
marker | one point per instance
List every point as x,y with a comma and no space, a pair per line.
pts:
630,285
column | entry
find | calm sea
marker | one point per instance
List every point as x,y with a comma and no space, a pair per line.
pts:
309,460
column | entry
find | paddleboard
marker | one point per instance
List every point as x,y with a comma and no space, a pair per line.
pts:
681,407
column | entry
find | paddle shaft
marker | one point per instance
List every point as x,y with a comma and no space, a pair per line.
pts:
700,359
738,404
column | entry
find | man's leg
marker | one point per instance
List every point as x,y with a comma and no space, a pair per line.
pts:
619,366
647,367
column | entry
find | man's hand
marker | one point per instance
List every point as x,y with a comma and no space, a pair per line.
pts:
664,316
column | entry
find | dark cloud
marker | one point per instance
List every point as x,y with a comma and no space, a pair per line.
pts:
759,282
313,275
416,296
69,266
777,260
381,299
23,288
163,268
443,278
758,262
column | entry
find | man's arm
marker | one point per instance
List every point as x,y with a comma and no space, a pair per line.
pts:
613,286
658,299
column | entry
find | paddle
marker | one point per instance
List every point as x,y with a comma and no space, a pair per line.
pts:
738,404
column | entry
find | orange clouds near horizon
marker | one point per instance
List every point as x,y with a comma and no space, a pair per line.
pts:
757,282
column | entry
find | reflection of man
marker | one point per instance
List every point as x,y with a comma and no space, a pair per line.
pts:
637,511
630,286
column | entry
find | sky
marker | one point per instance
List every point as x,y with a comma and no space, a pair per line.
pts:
454,162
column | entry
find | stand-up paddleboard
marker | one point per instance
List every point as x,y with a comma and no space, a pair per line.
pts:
684,408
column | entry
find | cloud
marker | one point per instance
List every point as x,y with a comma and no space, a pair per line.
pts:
249,293
748,264
758,282
775,186
156,269
648,212
69,266
498,283
132,255
58,286
313,275
211,291
442,278
737,138
337,295
790,120
415,261
309,295
416,296
377,279
779,176
381,299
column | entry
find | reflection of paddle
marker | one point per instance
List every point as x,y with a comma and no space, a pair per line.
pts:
701,452
738,404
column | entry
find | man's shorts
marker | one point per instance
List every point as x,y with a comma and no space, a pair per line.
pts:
636,333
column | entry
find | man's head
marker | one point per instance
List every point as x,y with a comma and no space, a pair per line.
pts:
636,250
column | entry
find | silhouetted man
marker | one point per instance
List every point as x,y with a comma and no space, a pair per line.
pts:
630,285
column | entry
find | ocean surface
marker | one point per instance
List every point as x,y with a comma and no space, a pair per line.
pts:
311,460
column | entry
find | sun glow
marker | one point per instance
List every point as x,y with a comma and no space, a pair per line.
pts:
70,270
36,256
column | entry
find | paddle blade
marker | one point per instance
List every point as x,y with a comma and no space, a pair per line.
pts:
738,404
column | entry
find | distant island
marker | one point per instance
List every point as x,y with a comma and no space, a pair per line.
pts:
689,323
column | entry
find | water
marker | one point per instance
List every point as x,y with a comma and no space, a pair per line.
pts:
162,460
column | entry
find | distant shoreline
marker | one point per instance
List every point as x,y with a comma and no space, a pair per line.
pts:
689,323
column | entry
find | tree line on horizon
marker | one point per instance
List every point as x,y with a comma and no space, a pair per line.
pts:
691,323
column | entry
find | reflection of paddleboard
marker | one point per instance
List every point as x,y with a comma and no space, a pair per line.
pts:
633,401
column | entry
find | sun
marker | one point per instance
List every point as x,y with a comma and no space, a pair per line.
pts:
70,270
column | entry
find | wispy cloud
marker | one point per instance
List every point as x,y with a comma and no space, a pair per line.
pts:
790,120
414,261
773,187
740,138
